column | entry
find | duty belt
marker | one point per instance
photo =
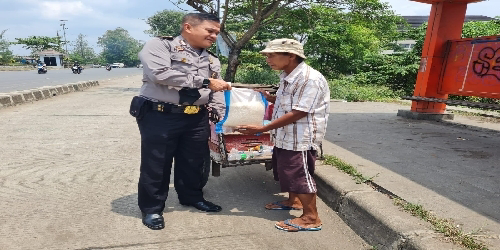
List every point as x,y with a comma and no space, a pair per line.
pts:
172,108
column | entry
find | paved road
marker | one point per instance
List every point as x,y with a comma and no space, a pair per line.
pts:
68,179
24,80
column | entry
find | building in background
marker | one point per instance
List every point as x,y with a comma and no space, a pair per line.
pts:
51,58
417,21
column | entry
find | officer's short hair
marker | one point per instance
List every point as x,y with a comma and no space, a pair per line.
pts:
197,18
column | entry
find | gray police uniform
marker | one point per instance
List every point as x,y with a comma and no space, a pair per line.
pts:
173,121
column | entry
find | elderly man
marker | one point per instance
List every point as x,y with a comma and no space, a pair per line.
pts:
180,79
301,108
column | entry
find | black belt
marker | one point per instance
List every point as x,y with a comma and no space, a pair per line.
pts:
172,108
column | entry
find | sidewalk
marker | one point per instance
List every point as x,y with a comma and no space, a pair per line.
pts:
450,168
69,168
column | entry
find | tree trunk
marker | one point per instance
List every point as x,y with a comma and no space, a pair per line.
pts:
232,65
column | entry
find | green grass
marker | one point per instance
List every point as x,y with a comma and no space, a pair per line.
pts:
444,226
346,168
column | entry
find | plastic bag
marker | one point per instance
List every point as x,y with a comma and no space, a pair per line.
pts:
243,107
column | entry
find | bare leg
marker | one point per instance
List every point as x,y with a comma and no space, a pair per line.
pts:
309,217
292,201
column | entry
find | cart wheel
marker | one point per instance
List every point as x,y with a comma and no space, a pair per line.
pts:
268,165
215,169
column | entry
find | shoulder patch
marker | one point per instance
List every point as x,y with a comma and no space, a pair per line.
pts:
166,37
210,52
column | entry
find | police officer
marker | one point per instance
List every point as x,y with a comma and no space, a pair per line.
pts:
180,78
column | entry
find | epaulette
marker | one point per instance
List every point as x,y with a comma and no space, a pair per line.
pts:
166,37
210,52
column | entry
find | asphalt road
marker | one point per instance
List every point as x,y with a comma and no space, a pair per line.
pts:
25,80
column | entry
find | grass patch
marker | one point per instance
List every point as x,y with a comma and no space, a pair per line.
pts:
346,89
346,168
444,226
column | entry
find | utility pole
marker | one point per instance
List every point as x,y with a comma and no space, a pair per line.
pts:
64,32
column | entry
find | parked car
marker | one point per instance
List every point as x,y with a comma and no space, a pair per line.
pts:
117,65
139,66
96,65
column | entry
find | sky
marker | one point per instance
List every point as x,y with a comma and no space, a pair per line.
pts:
23,18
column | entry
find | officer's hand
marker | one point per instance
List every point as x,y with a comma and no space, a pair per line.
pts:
218,85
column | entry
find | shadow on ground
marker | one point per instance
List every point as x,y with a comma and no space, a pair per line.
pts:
457,162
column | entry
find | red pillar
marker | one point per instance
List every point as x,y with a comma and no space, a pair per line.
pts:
445,23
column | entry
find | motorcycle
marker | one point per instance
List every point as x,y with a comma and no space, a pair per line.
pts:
76,69
42,69
108,68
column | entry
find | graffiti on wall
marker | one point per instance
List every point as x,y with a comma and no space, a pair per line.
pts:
472,68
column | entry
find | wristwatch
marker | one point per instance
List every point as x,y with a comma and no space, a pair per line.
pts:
205,83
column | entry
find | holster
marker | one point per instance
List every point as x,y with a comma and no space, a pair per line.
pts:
138,107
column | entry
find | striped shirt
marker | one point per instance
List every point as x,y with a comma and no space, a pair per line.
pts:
304,89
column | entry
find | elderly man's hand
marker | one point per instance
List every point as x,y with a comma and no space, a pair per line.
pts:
250,129
218,85
270,98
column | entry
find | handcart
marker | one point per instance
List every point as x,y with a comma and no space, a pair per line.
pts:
251,145
221,144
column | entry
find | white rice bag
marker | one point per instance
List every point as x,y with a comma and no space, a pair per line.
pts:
243,107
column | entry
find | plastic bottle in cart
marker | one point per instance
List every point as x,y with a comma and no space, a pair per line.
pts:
267,150
235,155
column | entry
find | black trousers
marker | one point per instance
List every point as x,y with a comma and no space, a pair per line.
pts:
166,137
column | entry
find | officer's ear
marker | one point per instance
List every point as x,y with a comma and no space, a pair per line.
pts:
188,27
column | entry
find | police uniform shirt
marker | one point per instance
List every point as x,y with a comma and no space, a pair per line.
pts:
171,64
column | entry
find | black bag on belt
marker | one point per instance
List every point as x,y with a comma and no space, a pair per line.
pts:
138,107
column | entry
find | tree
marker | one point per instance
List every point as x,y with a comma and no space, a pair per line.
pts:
40,43
119,46
250,16
270,19
5,53
82,52
165,23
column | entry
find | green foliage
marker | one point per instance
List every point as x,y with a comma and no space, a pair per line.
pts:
338,40
476,29
5,54
40,43
256,74
119,47
396,71
165,23
351,90
82,52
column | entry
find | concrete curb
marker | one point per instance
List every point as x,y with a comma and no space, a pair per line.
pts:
373,215
21,97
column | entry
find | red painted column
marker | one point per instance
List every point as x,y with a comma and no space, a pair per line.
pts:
445,23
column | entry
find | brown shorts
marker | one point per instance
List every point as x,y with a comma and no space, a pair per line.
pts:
294,170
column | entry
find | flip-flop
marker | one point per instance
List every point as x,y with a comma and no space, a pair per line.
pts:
299,228
282,207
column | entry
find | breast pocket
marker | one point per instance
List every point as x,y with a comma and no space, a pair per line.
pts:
183,64
286,101
214,71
